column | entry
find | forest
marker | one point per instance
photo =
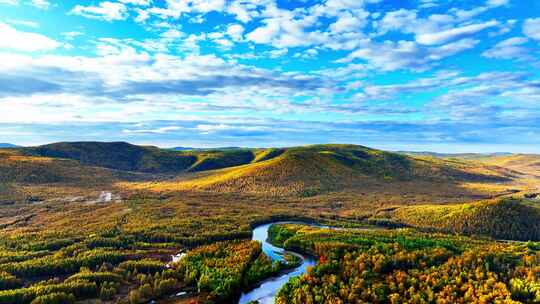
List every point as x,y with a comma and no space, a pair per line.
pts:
408,267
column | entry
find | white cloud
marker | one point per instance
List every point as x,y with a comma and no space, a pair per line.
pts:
264,34
390,55
333,7
346,22
122,81
206,128
205,6
172,34
495,3
235,31
161,130
509,49
175,8
72,35
428,3
278,53
400,20
108,11
454,33
242,13
531,28
24,41
464,15
142,15
41,4
283,28
9,2
224,43
26,23
137,2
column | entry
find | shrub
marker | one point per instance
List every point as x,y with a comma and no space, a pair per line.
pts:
135,297
8,281
97,277
165,287
107,293
55,298
143,266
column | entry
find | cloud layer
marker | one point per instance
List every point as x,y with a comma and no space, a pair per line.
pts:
266,71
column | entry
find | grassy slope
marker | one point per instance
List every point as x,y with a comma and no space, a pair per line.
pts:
17,168
525,163
324,168
507,218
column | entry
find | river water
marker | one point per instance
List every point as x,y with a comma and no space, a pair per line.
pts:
267,291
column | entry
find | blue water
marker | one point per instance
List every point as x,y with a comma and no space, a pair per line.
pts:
266,293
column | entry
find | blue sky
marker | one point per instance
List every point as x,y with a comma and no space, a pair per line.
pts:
448,76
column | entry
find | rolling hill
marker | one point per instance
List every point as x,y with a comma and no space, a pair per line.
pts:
318,169
526,163
23,176
117,155
148,159
298,171
471,156
24,169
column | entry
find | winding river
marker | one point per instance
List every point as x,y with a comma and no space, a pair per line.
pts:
267,291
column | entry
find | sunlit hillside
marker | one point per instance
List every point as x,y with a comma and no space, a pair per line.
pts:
503,218
318,169
526,163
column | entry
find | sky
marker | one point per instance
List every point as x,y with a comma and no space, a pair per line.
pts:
437,75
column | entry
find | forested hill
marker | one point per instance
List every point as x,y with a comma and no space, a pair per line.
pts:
507,218
318,169
302,170
116,155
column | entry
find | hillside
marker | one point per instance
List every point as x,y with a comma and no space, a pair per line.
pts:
508,218
323,168
117,155
218,159
23,176
471,156
148,159
23,169
526,163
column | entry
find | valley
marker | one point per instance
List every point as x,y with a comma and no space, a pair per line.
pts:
99,222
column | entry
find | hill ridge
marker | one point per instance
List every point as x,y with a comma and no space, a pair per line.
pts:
318,169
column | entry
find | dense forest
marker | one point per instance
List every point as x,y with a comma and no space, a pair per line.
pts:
216,272
405,267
